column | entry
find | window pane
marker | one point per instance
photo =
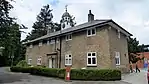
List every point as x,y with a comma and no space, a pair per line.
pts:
69,55
66,61
117,60
93,60
70,36
69,61
89,60
89,32
89,54
93,54
93,31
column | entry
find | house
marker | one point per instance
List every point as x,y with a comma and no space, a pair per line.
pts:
93,44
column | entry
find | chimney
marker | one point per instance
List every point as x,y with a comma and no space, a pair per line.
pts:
90,16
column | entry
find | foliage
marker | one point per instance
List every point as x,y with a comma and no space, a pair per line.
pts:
76,74
22,63
43,24
20,69
133,49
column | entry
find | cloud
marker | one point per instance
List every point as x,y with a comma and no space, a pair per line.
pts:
130,14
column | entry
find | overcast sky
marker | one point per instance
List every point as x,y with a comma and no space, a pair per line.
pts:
133,15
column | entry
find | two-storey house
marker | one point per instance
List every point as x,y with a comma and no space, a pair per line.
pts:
93,44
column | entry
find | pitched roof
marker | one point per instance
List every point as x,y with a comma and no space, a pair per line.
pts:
81,27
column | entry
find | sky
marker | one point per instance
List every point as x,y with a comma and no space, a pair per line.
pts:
132,15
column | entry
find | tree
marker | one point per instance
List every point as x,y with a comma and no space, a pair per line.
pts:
10,34
43,24
133,49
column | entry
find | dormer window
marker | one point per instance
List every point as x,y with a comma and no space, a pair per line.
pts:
91,32
68,37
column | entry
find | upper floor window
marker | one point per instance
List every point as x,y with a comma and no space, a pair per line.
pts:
91,32
91,59
57,40
68,59
48,42
40,43
117,58
52,41
31,46
68,37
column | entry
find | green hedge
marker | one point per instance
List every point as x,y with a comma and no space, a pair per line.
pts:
76,74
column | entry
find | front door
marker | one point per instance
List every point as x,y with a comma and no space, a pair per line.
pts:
50,63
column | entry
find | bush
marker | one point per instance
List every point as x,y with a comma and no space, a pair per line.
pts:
22,63
20,69
76,74
96,74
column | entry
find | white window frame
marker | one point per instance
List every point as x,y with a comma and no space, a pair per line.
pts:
40,43
69,61
52,41
117,56
57,40
91,59
39,59
29,61
48,42
91,33
30,46
69,35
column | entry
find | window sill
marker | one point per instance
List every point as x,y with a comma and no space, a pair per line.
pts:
118,64
92,65
68,65
91,35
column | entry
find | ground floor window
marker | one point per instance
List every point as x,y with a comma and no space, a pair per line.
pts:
117,58
29,61
91,59
39,61
68,59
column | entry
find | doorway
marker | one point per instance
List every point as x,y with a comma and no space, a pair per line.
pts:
51,63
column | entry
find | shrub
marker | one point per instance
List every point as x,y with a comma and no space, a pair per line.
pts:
76,74
20,69
96,74
22,63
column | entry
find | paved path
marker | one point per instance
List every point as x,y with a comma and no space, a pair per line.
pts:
23,78
136,78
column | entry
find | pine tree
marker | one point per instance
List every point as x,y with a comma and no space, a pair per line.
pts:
43,24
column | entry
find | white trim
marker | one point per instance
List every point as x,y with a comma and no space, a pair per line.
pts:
117,56
67,62
91,29
91,58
